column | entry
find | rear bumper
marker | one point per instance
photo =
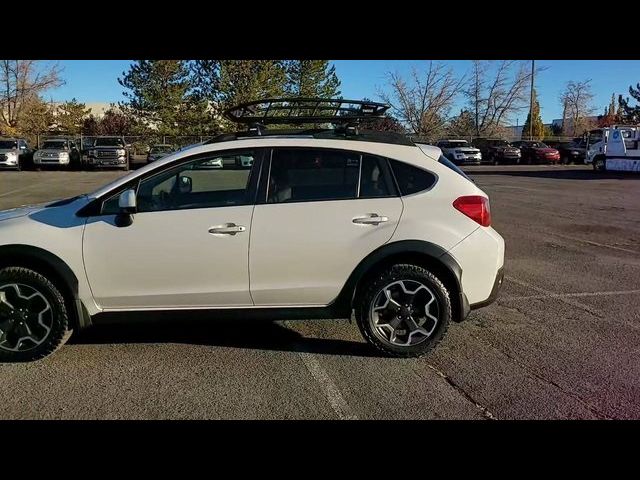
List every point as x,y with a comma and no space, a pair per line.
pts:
497,284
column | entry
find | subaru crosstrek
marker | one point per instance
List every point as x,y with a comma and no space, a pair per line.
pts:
314,224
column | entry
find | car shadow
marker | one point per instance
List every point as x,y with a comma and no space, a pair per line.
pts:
257,335
559,174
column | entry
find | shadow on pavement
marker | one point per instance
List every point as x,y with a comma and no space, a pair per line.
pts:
560,174
258,335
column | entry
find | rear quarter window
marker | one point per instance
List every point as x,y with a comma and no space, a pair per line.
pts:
411,179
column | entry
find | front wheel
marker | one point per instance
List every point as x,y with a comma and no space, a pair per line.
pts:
404,311
599,164
33,317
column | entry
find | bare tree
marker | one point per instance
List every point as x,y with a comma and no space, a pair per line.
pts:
577,99
21,81
495,95
423,101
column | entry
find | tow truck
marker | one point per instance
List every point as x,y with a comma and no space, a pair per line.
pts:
614,149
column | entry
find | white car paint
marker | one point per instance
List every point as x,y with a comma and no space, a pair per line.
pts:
296,254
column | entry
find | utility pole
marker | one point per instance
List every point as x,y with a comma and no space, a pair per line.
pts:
533,70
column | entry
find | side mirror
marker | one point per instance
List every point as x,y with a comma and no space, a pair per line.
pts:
127,205
185,184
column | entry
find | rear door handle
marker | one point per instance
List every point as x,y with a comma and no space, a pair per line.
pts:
370,219
227,229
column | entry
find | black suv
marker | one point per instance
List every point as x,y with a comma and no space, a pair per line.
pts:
496,151
571,152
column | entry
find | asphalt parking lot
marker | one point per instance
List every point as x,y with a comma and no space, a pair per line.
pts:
562,341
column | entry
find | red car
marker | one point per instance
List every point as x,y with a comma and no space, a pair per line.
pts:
537,152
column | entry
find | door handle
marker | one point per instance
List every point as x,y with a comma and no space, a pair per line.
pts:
370,219
227,229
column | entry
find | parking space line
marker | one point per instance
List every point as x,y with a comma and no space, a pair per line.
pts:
11,192
578,294
329,388
549,294
596,244
331,391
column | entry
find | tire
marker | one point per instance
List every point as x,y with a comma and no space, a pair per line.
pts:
47,321
600,164
410,276
565,160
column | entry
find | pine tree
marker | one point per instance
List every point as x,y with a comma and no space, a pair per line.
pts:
630,114
538,126
464,125
612,106
311,78
159,94
71,115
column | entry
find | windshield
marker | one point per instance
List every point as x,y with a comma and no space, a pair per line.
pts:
109,142
8,144
500,143
538,145
161,149
57,145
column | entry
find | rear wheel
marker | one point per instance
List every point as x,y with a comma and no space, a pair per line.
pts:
404,311
33,316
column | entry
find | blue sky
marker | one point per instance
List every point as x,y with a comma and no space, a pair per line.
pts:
96,80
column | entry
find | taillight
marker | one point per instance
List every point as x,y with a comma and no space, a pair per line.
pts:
476,207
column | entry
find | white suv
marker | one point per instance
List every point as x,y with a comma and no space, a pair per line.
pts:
315,225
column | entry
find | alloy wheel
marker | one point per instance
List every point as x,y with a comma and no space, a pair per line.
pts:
404,313
26,317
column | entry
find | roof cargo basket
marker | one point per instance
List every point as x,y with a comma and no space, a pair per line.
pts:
300,110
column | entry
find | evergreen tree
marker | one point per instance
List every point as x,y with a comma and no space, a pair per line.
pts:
630,114
311,78
247,80
159,94
71,115
538,126
464,125
612,106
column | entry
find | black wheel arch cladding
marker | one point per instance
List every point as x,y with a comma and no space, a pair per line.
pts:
48,263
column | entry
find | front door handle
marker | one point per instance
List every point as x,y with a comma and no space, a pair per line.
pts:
227,229
370,219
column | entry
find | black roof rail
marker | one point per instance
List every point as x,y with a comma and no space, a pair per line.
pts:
301,110
320,134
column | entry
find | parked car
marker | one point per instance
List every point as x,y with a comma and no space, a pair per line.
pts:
497,151
460,152
319,226
571,152
15,153
158,151
108,152
537,152
59,152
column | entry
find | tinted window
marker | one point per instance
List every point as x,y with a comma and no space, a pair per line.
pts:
411,179
307,175
374,178
214,181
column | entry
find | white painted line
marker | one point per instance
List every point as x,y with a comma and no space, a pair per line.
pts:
579,294
329,388
10,192
596,244
331,391
548,293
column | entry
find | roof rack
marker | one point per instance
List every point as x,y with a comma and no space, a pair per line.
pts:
299,110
